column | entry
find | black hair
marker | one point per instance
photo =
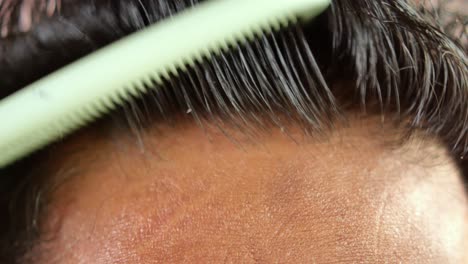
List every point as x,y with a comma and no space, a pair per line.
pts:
394,60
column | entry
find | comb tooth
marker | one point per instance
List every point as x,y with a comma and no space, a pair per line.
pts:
182,66
285,21
293,19
90,112
259,31
156,79
107,102
275,25
224,46
66,124
217,51
250,35
132,89
165,74
173,70
190,63
86,119
145,84
116,99
230,40
198,58
207,54
138,87
101,106
79,119
57,128
125,94
234,40
242,38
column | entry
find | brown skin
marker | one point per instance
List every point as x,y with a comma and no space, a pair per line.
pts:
193,196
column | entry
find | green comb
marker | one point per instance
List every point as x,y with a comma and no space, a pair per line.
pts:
75,95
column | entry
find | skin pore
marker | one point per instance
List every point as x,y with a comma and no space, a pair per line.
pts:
194,195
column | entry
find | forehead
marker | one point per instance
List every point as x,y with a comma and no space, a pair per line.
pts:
180,193
193,194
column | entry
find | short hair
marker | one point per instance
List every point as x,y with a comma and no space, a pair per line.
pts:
394,60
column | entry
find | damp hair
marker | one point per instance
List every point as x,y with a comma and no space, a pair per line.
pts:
384,57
